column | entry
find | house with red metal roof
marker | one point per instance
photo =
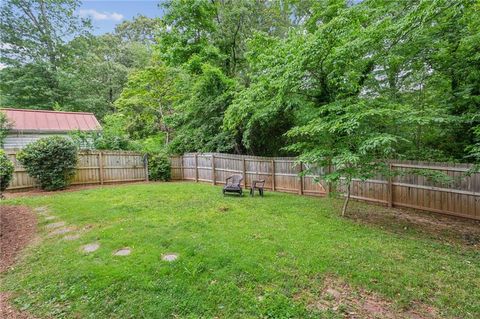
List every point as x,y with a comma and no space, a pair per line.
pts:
29,125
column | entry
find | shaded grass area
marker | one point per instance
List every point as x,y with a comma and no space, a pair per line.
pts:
238,257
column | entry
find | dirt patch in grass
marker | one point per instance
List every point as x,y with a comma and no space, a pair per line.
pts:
223,209
339,297
408,221
72,188
9,312
17,228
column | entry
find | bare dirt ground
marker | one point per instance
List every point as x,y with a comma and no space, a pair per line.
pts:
444,228
73,188
17,229
337,296
9,312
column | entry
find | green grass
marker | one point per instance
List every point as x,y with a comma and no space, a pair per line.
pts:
239,257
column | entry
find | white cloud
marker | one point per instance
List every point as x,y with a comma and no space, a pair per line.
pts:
95,15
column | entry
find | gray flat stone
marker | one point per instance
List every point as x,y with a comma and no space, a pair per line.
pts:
90,247
169,257
72,237
41,211
123,252
55,225
50,217
61,231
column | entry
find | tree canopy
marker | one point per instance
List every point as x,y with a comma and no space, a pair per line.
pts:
330,80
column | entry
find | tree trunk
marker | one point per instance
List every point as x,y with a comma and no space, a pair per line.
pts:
347,199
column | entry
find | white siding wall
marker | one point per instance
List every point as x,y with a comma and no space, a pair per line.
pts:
17,140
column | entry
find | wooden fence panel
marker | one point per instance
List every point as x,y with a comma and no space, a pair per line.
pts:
94,167
176,166
204,168
20,177
226,166
189,167
281,173
461,197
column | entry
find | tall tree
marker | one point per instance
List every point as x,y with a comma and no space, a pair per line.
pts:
34,35
37,30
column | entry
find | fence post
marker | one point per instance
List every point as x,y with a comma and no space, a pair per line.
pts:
146,167
213,169
196,167
390,186
244,171
301,179
273,175
100,167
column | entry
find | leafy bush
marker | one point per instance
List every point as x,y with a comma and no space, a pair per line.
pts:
5,125
113,136
158,167
51,160
6,171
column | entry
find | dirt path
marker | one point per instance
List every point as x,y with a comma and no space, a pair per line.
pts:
17,229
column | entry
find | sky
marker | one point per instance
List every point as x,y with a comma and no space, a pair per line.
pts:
105,14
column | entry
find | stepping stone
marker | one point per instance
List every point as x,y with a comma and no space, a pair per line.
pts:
56,225
50,217
90,247
72,237
41,211
169,257
61,231
123,252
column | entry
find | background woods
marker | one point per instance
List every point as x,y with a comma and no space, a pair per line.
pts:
331,81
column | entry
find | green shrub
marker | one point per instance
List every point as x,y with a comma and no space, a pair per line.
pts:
51,160
6,171
158,167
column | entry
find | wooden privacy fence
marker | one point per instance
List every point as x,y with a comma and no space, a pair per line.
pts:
407,189
94,167
280,173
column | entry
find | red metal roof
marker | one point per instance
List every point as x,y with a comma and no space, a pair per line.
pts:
51,121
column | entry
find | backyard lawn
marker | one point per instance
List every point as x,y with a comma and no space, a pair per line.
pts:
281,256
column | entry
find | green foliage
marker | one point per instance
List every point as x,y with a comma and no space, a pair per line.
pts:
113,135
51,160
32,86
5,126
261,77
152,144
97,72
148,99
33,30
199,115
6,171
34,49
159,168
